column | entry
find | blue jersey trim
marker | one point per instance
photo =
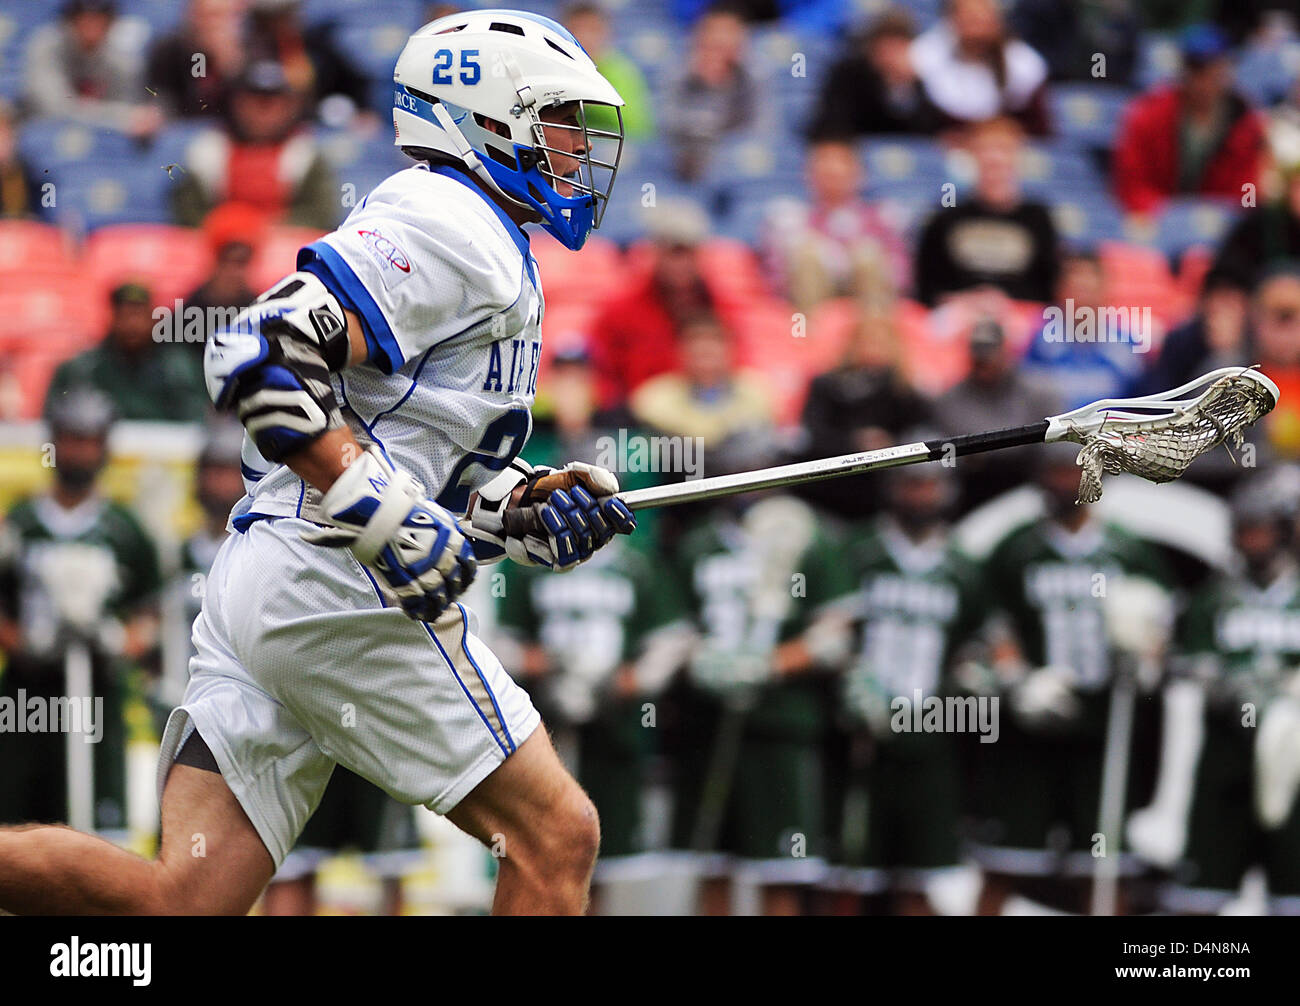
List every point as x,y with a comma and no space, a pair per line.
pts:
323,261
452,667
464,636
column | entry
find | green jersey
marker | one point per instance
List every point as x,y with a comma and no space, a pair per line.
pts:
1052,583
721,576
112,539
161,383
915,603
590,620
1243,637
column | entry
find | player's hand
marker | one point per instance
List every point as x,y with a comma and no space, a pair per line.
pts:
381,514
727,671
867,700
562,515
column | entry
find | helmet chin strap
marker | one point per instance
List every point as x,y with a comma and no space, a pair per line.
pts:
470,156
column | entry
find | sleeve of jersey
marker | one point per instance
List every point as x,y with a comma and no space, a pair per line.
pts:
406,283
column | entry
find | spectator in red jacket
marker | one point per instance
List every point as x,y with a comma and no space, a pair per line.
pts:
635,336
1197,136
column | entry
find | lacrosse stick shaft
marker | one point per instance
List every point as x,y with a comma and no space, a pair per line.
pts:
80,767
1114,790
833,468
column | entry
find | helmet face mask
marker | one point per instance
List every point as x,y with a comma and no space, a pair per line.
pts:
462,73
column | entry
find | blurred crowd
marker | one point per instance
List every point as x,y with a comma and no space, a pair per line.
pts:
834,231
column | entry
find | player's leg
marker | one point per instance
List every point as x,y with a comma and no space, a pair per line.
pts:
55,870
541,825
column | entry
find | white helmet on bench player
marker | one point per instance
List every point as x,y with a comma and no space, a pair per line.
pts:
506,66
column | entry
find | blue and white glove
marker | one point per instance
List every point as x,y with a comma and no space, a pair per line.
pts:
414,545
558,520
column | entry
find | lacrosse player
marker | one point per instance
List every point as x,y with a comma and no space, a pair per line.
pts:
1041,782
1225,799
385,388
75,570
761,577
917,600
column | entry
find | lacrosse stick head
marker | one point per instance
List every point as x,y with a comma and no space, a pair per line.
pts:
1158,436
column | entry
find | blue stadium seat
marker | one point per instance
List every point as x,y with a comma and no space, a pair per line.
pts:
1088,218
46,143
91,194
1087,112
1187,222
162,15
361,163
890,159
1158,59
1265,76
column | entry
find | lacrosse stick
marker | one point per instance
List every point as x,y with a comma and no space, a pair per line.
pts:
1157,437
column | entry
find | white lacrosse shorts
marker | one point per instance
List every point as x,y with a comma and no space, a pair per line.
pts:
302,662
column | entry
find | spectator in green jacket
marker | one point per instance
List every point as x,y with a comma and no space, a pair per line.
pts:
590,25
144,378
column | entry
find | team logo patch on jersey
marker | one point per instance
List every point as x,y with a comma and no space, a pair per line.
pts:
394,264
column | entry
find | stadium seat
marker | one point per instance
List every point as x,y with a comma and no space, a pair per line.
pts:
576,276
361,163
1093,218
51,306
53,143
1140,277
1187,222
172,260
1158,59
1088,112
94,194
24,378
28,244
895,159
278,255
1266,73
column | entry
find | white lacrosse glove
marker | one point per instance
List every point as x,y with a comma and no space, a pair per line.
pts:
867,699
1045,697
1139,617
1277,756
415,546
562,516
726,671
79,579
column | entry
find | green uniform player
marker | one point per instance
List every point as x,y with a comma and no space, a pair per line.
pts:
761,802
582,635
1239,641
73,567
1040,785
917,601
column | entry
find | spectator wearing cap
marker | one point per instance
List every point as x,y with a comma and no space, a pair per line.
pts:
18,189
590,26
634,337
873,87
993,237
972,69
1196,136
234,232
334,89
88,66
143,378
993,395
835,244
263,156
712,96
212,31
865,403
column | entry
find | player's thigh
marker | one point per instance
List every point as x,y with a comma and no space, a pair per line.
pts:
530,792
213,861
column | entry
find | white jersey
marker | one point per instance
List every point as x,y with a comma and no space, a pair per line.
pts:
450,301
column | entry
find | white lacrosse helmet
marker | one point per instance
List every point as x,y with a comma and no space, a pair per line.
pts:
507,66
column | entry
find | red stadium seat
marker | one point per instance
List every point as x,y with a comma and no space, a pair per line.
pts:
28,244
172,260
50,306
278,255
591,272
24,379
1140,277
731,268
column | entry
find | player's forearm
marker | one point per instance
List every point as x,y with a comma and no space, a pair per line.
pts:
324,460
